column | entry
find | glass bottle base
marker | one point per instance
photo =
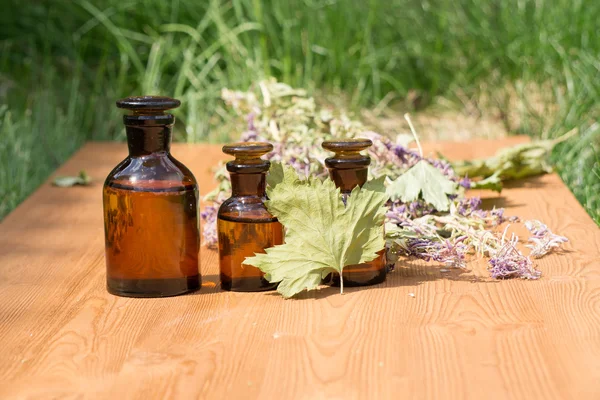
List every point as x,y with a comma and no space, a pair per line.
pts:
152,287
254,284
357,279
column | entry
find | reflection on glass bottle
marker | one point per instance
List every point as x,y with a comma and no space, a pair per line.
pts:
348,169
151,209
244,225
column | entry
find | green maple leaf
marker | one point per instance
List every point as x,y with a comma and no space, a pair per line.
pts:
278,174
423,178
322,235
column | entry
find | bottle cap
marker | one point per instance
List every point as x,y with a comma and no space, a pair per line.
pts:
347,153
247,156
247,150
148,110
146,103
347,146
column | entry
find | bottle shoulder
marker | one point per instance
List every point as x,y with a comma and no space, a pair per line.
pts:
156,171
184,170
245,209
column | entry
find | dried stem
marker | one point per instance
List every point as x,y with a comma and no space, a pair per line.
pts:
414,133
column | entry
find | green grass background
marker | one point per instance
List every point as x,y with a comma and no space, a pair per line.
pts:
63,64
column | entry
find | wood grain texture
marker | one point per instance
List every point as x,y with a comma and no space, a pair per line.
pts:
462,335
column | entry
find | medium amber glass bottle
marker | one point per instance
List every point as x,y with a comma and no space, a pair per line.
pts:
244,225
150,200
348,169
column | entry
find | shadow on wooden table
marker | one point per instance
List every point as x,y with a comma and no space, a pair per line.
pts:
490,203
532,182
210,284
407,273
491,199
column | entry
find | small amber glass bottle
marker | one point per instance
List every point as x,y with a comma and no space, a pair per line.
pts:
244,225
151,209
348,169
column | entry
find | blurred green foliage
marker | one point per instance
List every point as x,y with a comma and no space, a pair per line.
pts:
63,63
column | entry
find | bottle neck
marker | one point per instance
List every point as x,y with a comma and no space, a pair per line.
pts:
248,184
348,170
348,179
148,134
143,141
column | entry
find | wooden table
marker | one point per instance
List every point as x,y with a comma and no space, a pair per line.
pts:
423,334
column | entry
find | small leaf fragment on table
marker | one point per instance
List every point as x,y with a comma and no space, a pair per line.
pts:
82,179
423,178
322,235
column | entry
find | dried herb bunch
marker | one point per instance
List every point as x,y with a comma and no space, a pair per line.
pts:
428,216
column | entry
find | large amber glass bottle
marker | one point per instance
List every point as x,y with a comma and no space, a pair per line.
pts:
348,169
151,209
244,225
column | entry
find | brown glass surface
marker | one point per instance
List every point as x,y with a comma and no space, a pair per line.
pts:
153,287
238,240
245,226
152,240
366,274
348,169
150,202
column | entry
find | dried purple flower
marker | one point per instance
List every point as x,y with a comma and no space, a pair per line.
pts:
400,212
250,120
509,262
451,254
497,215
465,182
250,136
543,239
209,223
445,167
405,156
396,213
470,207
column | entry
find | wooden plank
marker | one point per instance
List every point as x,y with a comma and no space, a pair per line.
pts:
462,335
